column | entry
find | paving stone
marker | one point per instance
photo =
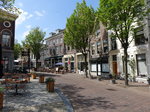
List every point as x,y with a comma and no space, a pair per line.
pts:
36,99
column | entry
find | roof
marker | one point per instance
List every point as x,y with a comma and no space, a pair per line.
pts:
7,15
55,34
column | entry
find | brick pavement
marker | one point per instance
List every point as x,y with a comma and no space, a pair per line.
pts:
88,95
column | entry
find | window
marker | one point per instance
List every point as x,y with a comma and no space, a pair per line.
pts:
61,40
142,66
98,47
93,49
68,48
113,44
6,39
139,36
114,57
105,49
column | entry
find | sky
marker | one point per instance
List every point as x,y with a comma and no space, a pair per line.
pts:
49,15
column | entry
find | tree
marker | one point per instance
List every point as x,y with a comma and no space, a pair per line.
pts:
34,41
79,27
122,16
8,5
17,50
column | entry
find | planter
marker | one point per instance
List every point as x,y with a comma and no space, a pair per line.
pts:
33,76
50,86
41,79
113,81
1,100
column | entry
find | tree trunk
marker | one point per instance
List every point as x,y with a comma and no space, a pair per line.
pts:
126,67
85,65
36,65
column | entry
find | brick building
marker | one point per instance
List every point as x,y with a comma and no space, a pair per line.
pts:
55,48
7,37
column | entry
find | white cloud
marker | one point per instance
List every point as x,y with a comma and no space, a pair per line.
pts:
28,26
20,4
40,13
23,17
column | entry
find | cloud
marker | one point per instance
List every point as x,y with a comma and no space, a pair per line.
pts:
28,26
40,13
23,17
20,4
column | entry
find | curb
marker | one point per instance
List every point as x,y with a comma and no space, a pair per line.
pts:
65,100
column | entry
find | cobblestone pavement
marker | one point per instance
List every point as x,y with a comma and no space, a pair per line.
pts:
36,99
87,95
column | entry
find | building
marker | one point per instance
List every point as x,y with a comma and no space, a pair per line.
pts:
148,36
99,53
137,51
7,37
69,59
55,48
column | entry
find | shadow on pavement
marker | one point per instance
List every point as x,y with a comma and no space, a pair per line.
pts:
84,103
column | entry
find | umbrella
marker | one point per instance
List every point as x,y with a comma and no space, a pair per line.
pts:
59,63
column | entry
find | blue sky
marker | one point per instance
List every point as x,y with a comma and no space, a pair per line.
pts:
49,15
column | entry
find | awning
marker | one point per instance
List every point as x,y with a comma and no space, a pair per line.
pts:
59,63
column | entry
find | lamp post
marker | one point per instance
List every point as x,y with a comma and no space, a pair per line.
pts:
1,65
29,60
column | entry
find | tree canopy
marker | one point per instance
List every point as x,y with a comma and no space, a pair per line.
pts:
17,50
9,6
34,41
80,26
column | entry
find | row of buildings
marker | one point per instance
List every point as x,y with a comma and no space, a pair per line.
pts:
106,54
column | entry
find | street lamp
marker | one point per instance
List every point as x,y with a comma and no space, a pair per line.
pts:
1,65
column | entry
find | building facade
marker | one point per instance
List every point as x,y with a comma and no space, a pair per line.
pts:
137,51
69,59
7,37
98,58
55,48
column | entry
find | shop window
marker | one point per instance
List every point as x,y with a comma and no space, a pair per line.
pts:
105,67
6,39
141,64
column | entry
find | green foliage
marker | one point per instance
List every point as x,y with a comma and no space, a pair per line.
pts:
121,16
17,50
50,80
8,5
34,41
80,26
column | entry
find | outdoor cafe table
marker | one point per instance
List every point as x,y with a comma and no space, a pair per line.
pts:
16,83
